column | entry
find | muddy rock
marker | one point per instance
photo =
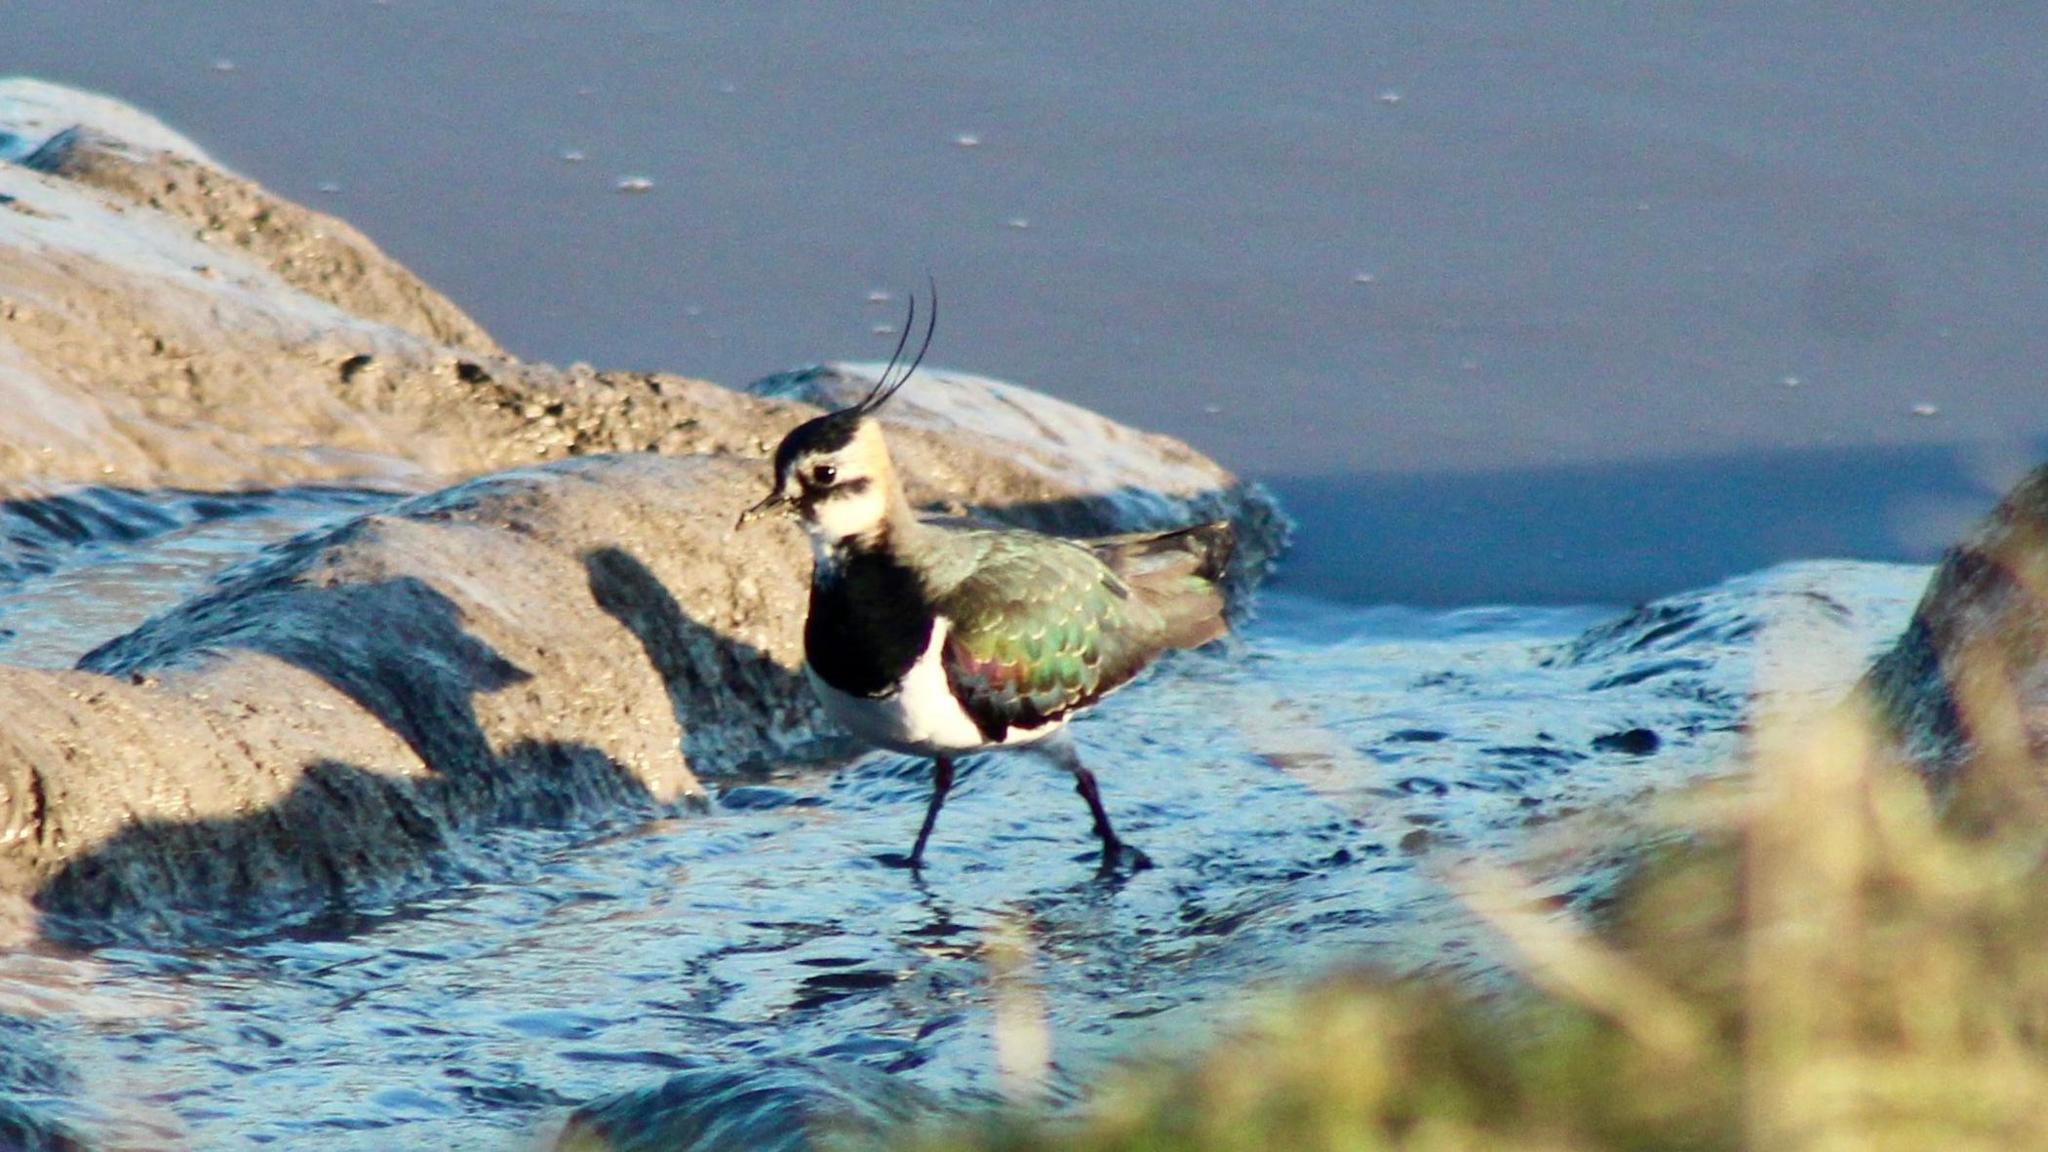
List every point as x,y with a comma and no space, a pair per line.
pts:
97,143
166,322
144,340
561,627
779,1106
1969,669
339,719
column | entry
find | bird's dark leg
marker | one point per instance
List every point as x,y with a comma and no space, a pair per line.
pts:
942,783
1084,783
1114,850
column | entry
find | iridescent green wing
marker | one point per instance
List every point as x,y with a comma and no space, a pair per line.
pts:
1040,627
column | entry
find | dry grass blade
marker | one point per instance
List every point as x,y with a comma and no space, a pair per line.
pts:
1569,962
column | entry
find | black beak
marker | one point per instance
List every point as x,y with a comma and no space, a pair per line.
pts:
773,502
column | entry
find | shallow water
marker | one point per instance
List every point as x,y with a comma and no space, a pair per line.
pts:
1302,792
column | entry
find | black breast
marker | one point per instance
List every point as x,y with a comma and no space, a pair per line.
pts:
868,624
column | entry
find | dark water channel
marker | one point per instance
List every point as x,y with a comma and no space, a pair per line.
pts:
1302,790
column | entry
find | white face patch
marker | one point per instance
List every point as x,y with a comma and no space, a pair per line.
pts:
845,493
843,513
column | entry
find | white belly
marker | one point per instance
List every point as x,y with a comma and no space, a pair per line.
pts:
920,718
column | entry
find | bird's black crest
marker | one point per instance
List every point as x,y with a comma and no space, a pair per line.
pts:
835,430
883,389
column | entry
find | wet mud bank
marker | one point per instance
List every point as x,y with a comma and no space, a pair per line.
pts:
575,639
525,648
1967,681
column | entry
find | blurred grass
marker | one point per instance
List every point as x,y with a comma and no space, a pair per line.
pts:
1835,960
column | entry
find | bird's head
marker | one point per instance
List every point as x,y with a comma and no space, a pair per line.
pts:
834,474
833,471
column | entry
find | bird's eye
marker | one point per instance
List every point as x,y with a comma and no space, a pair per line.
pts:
823,475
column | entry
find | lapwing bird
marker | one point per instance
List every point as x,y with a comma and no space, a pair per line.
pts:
941,639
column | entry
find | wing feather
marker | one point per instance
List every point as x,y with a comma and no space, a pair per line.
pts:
1040,628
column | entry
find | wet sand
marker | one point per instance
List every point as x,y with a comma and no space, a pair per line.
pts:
1511,302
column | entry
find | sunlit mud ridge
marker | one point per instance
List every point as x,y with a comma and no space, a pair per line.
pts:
556,643
1972,665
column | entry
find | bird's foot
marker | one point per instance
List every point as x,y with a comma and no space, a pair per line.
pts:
1118,857
912,861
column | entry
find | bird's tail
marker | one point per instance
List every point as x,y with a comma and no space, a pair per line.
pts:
1178,574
